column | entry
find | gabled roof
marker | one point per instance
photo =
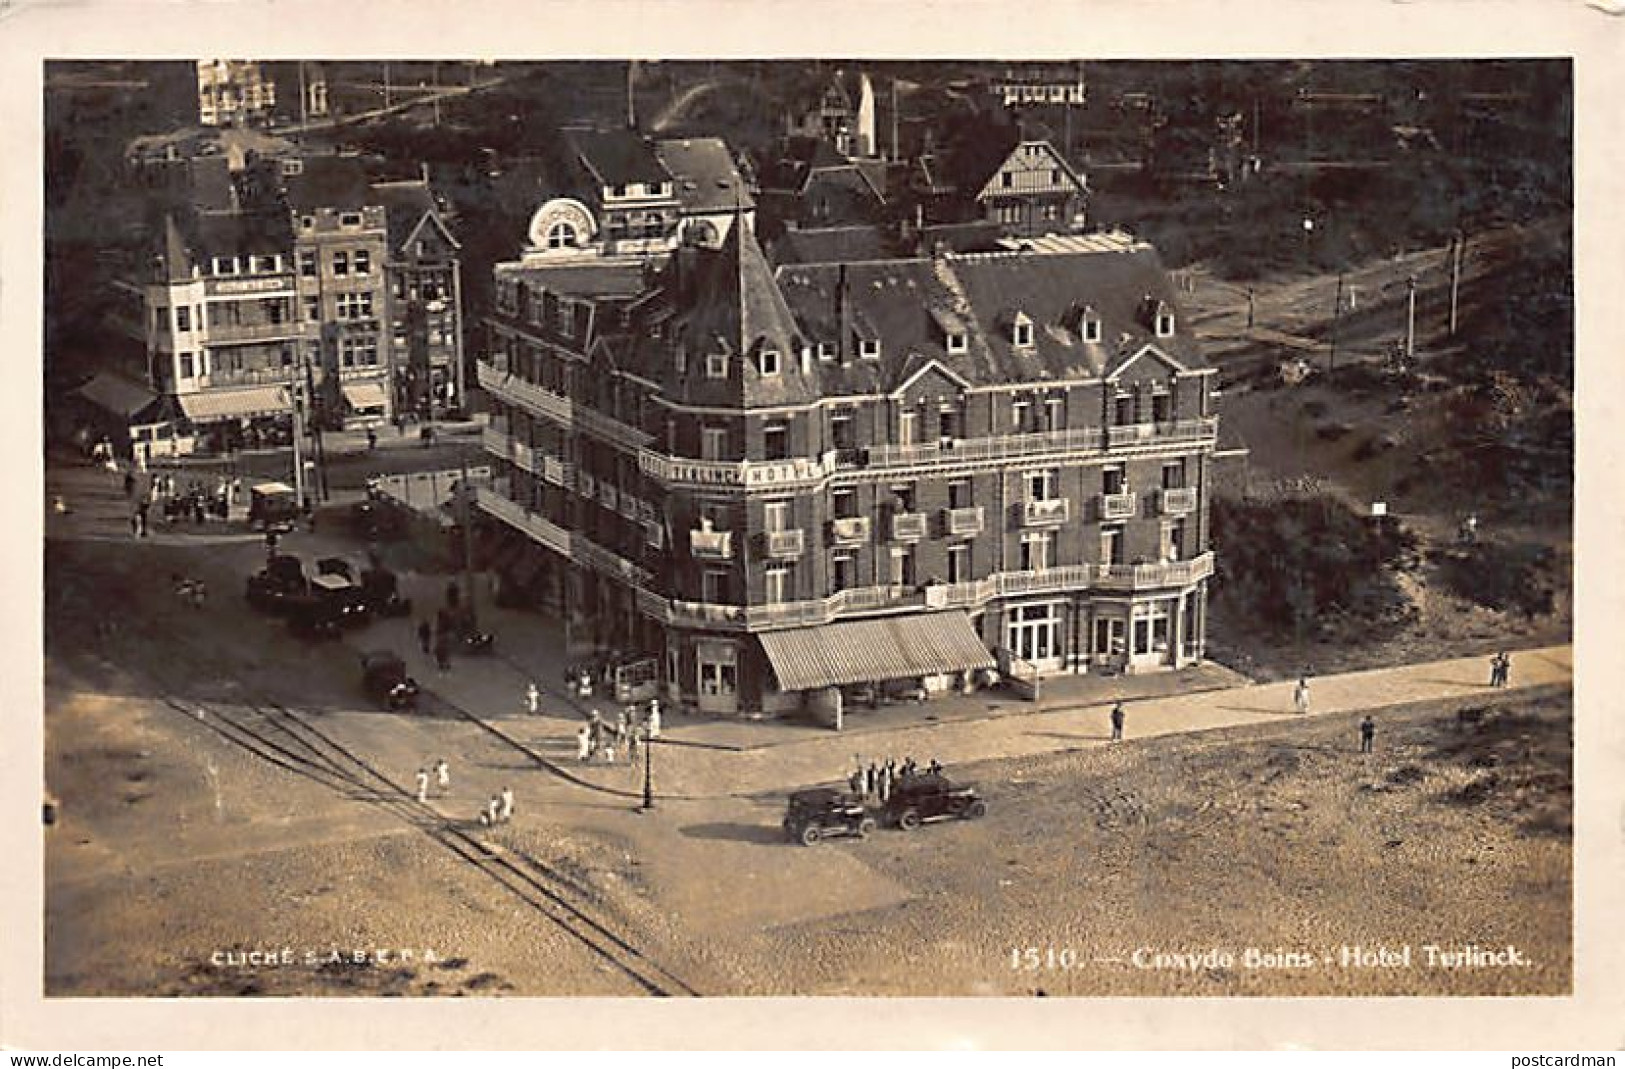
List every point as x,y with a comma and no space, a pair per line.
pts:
617,157
336,182
1056,162
707,179
409,206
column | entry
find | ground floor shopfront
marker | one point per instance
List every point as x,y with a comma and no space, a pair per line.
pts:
716,665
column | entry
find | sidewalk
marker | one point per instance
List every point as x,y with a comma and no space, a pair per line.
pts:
712,758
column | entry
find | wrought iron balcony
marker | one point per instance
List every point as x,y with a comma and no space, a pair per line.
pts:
907,526
1176,501
1149,576
711,545
965,521
1118,506
785,545
1045,513
849,530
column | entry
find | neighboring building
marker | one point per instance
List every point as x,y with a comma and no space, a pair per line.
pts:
618,198
781,483
1031,86
844,117
1026,187
811,185
425,299
342,249
223,330
710,189
233,92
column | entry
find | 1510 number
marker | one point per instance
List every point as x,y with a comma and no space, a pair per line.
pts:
1034,959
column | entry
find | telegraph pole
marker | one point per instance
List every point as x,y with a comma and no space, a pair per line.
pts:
295,402
318,454
1337,314
1410,317
1458,248
466,492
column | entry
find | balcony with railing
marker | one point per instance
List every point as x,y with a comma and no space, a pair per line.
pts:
1154,433
253,376
1177,501
527,395
997,447
751,474
785,545
1045,513
706,544
907,526
516,515
241,333
1117,506
964,521
849,530
1151,576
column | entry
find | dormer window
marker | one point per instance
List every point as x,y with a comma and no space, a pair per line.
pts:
716,365
768,361
957,343
1090,327
1021,331
350,219
617,191
869,348
562,236
1165,322
225,265
826,351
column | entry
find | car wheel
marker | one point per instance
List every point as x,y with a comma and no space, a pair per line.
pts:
976,810
908,819
809,835
865,827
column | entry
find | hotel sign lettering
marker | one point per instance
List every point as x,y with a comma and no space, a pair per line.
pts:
748,474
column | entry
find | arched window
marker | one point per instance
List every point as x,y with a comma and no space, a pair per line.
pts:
562,236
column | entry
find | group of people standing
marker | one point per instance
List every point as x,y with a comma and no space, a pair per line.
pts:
878,779
1500,669
498,809
599,739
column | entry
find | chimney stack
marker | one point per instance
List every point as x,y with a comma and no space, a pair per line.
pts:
843,316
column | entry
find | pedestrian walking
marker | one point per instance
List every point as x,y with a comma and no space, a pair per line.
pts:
885,783
141,518
425,636
442,652
1118,716
129,484
632,746
442,775
533,699
653,721
372,439
1504,671
423,785
855,781
507,804
1368,731
493,810
1300,695
1495,670
871,779
623,722
584,744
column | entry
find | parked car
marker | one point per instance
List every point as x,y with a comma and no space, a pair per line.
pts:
282,578
273,507
382,589
823,811
384,678
313,616
928,796
349,602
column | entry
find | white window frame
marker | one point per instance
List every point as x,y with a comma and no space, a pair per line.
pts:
1042,484
957,342
362,262
769,362
716,365
1093,329
1021,332
869,348
776,584
1165,324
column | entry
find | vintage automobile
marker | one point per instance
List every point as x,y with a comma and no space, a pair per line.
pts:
384,678
273,507
822,811
382,589
313,616
282,578
349,601
928,796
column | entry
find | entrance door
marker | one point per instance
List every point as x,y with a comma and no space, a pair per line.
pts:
718,684
1110,642
1035,636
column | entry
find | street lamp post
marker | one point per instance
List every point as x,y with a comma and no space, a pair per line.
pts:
648,770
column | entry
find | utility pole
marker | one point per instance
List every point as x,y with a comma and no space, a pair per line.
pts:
304,96
1458,248
386,83
1410,317
466,492
1337,314
631,103
648,770
295,402
317,452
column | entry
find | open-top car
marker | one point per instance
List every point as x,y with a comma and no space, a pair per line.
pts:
929,796
283,578
348,600
819,812
383,676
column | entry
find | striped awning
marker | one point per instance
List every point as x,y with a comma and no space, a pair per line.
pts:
875,651
365,394
211,405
